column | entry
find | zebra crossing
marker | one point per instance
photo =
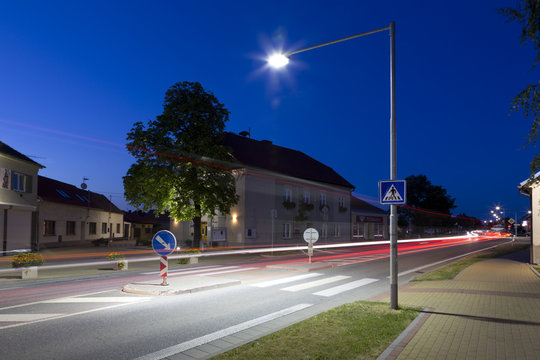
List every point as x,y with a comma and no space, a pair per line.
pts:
12,318
332,291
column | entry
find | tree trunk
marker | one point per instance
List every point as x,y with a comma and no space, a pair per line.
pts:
197,228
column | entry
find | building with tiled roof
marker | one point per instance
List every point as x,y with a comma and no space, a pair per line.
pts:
68,214
18,199
282,192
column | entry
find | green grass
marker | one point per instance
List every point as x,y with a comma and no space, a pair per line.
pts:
360,330
450,271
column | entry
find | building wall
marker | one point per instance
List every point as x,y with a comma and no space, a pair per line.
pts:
17,207
535,218
251,221
82,218
369,226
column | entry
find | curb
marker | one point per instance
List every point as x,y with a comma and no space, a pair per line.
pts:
395,348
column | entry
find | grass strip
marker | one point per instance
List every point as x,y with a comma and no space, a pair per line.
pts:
359,330
451,270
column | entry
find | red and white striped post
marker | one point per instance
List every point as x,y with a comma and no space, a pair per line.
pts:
163,267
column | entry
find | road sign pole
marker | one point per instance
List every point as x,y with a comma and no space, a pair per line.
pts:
163,268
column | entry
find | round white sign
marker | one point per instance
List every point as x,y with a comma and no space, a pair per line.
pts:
311,235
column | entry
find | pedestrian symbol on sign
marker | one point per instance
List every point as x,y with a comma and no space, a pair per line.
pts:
392,192
392,195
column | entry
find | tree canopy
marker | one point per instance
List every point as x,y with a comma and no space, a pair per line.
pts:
527,14
178,158
423,200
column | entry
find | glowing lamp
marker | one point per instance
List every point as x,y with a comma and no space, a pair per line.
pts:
278,60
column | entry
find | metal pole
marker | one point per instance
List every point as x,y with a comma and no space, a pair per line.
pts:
393,173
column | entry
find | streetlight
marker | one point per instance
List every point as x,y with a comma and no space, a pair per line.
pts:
280,60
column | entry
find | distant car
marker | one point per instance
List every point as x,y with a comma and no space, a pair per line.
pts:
498,228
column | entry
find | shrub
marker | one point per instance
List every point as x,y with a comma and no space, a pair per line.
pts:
26,260
114,256
187,252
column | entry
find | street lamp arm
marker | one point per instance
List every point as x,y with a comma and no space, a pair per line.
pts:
336,41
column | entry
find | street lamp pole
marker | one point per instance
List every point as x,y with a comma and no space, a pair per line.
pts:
280,60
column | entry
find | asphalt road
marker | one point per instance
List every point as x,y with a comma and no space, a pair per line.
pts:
90,318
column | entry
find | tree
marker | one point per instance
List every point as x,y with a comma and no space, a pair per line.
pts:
527,14
179,159
423,200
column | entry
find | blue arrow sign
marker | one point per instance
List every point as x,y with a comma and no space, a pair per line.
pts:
393,192
164,243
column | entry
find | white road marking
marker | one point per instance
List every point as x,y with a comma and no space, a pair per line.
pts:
286,280
111,299
175,349
315,283
199,271
345,287
25,317
182,270
228,271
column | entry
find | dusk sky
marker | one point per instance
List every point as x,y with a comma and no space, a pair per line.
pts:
76,75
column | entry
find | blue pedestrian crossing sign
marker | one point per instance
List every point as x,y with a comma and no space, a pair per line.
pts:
164,242
392,192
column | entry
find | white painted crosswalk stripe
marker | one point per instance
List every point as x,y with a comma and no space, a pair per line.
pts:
25,317
199,271
345,287
104,299
315,283
227,271
286,280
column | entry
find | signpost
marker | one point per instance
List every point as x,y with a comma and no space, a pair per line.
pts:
311,236
164,243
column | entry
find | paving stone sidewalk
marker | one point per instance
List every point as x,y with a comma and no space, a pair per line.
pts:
490,311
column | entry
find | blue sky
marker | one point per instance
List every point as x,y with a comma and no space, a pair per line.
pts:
75,77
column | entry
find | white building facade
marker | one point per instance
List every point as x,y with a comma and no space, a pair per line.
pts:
18,200
531,189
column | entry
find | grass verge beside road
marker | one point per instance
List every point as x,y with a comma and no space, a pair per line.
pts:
359,330
450,271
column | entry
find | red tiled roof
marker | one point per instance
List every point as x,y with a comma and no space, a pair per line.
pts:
59,192
264,155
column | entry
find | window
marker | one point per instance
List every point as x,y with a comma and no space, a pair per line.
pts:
70,227
358,230
49,228
103,228
324,231
147,230
118,228
306,198
336,230
92,228
63,193
18,182
323,199
341,202
378,230
287,195
251,233
287,231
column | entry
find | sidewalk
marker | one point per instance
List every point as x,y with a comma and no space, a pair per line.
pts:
490,311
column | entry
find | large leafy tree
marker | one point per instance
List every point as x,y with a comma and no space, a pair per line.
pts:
425,201
178,158
527,14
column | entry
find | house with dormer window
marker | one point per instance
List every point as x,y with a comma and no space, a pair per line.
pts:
69,214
